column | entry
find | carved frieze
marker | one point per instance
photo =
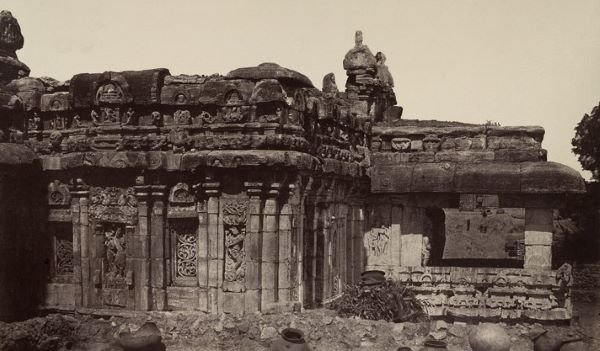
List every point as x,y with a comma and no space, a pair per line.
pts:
112,204
234,225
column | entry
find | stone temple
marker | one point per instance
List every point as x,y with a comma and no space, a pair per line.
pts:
255,191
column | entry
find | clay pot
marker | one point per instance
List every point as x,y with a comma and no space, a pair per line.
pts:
373,274
489,337
372,277
291,340
147,338
434,345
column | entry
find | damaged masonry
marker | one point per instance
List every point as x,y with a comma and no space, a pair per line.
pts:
255,191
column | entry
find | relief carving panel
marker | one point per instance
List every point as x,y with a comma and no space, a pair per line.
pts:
112,204
234,224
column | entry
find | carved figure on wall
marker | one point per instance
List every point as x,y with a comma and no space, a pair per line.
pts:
425,250
131,117
157,119
111,115
377,240
114,259
35,123
94,116
234,223
182,117
76,121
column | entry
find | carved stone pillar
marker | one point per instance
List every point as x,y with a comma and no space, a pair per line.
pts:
142,251
203,272
81,241
270,247
285,249
160,253
253,244
538,238
215,266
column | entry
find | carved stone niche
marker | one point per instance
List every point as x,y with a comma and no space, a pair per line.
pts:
400,144
234,225
58,194
182,202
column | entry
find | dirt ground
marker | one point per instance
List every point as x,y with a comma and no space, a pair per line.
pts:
323,331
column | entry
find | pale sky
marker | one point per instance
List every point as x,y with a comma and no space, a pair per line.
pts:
516,62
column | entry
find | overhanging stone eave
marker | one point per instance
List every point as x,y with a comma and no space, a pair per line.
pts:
533,178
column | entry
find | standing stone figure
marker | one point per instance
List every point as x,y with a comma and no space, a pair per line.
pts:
425,250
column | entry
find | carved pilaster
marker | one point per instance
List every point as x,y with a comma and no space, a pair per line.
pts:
142,256
270,247
203,246
81,241
253,247
215,264
160,251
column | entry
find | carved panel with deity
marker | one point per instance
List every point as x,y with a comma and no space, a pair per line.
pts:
378,243
116,277
234,225
184,236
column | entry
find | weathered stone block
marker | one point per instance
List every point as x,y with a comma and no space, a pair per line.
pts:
412,247
538,238
183,298
252,300
253,278
233,302
538,257
416,145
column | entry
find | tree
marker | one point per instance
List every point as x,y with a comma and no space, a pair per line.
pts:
586,143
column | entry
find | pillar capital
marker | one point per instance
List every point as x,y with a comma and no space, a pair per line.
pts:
211,187
273,189
253,189
78,188
159,192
